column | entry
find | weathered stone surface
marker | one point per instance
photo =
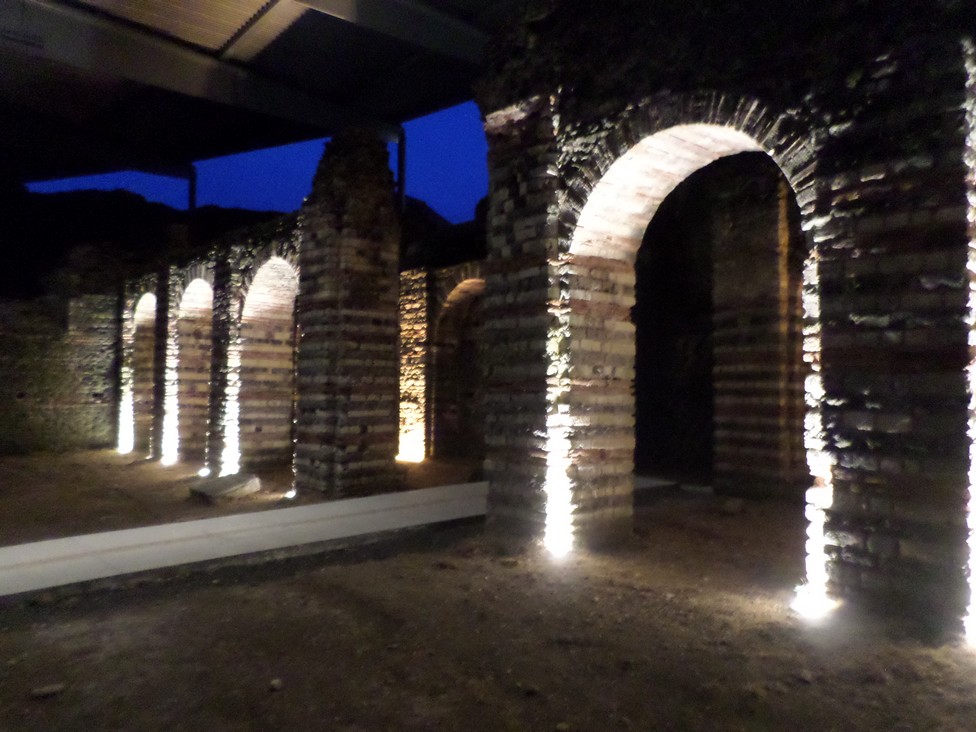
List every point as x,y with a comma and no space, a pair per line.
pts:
226,488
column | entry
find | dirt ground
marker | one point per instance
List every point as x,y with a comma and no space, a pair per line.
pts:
685,627
49,496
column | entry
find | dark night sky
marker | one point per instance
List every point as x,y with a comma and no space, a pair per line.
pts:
446,167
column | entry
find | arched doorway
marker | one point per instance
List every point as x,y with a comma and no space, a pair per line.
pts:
193,339
458,416
143,350
267,375
590,438
719,371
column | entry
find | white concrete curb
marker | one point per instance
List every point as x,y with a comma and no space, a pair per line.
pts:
44,564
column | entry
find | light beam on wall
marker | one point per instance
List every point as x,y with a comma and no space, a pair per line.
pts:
969,55
558,536
170,452
811,599
412,440
230,458
127,417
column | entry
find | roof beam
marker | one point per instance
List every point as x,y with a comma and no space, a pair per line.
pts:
410,21
261,31
99,45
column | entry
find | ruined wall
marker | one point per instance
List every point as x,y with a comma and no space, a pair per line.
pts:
895,329
267,374
519,284
347,411
58,374
238,258
867,122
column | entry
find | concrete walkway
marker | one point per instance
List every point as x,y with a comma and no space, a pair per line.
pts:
45,564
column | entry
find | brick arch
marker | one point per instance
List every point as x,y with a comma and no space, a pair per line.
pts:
457,401
447,281
613,181
281,248
181,280
267,363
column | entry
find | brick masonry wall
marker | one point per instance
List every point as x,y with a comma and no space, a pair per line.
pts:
870,135
457,411
893,252
193,337
758,371
238,258
347,412
137,336
58,374
519,284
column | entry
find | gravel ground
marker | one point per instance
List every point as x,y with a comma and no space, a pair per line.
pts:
684,627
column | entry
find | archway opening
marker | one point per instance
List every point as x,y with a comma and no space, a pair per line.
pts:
590,438
458,416
193,339
143,350
267,373
719,368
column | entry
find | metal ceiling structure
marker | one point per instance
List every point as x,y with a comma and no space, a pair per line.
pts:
89,86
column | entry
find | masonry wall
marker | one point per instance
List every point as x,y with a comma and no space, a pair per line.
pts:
457,413
758,370
347,411
519,285
895,330
867,121
58,374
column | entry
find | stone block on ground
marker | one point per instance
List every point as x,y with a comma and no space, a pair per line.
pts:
226,488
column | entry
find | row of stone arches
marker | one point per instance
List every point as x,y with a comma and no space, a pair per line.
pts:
551,329
259,421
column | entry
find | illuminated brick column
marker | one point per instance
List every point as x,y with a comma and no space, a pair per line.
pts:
347,412
893,257
223,455
521,239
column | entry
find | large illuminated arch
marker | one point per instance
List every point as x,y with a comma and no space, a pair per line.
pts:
591,340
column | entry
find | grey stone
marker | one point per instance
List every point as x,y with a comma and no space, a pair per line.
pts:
45,692
226,488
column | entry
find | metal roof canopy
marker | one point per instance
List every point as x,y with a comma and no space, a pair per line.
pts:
90,86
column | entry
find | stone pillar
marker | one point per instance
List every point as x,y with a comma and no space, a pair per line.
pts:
895,330
160,347
537,449
347,412
222,440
